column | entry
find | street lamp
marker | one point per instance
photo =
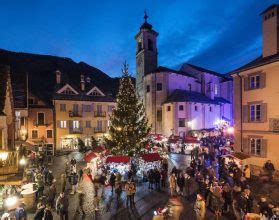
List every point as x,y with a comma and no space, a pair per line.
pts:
22,161
4,155
11,201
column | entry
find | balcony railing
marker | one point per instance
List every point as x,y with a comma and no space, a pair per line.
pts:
99,130
75,114
100,114
75,130
37,123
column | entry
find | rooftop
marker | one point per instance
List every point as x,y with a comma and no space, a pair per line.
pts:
179,95
260,61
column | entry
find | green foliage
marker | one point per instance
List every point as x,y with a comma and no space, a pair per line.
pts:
129,126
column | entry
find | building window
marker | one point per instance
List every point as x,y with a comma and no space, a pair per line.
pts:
63,124
196,108
88,124
255,112
75,108
168,108
255,146
75,124
150,44
159,115
181,122
139,46
215,89
62,107
22,121
110,108
99,125
159,87
254,82
40,118
190,87
49,133
34,134
148,88
210,108
181,108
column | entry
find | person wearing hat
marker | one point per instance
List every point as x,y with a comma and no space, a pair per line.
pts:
263,207
200,208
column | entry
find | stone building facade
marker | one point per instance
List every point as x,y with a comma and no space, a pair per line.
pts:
81,111
256,95
177,101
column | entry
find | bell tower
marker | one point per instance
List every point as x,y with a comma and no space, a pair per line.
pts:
146,54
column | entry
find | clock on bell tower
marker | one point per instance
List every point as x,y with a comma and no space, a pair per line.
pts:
146,54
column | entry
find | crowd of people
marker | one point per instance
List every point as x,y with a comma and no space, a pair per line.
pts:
224,188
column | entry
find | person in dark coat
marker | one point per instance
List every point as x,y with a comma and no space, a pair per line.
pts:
150,179
263,207
157,178
181,183
39,214
243,204
112,180
62,206
47,213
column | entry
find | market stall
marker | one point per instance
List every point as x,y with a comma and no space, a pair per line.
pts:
119,164
149,161
93,162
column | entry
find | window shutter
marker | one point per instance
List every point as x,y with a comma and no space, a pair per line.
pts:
246,83
264,148
80,124
70,124
262,80
83,108
92,107
58,124
245,112
246,147
263,112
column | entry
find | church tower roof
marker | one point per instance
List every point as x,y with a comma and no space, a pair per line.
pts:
146,25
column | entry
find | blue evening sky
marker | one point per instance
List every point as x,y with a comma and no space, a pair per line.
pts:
217,34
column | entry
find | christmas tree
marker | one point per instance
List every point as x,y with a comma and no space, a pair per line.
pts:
129,126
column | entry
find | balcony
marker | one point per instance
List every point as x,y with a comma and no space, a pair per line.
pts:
38,123
100,114
75,114
99,130
75,130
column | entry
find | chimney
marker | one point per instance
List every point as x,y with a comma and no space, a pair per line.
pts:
270,21
58,76
82,82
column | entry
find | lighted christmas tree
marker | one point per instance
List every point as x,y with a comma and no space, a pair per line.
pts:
128,124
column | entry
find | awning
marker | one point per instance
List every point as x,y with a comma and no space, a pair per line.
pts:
191,139
88,157
118,159
151,157
99,149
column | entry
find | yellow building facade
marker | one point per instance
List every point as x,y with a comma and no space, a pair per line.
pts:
256,95
81,113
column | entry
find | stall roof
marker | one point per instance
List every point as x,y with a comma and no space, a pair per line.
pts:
118,159
151,157
99,149
88,157
191,139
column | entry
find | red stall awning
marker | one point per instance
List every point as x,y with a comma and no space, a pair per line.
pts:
99,149
118,159
190,139
151,157
88,157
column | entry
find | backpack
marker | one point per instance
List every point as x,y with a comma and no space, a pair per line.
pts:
21,213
